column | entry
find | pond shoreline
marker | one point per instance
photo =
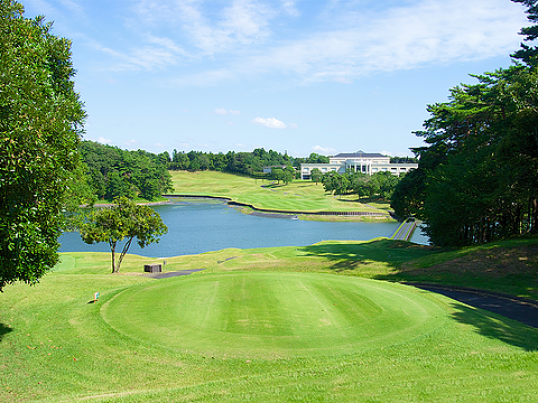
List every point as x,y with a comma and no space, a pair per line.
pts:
300,214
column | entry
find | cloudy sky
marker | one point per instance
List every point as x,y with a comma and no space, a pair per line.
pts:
300,76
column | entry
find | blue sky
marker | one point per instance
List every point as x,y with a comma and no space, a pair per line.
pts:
300,76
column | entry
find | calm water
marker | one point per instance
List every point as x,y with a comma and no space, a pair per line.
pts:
197,227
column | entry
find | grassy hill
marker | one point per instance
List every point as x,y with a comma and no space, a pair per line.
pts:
305,324
263,194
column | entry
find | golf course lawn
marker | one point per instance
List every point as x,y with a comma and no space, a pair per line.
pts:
297,196
308,324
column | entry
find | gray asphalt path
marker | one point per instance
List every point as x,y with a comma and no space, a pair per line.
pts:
520,309
172,273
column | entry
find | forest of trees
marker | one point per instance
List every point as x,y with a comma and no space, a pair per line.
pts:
243,163
477,179
113,172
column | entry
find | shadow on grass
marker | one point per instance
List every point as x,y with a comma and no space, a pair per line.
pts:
4,330
495,326
357,256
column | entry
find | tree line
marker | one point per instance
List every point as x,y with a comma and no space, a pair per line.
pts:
240,163
243,163
112,172
477,179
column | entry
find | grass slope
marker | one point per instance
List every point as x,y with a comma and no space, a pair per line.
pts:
56,346
296,196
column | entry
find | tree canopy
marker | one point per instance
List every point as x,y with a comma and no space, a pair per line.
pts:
242,163
379,184
125,220
41,119
477,179
113,172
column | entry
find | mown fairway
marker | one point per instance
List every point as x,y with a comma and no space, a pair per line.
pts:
272,314
296,196
265,325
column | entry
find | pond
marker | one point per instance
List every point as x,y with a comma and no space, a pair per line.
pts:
201,226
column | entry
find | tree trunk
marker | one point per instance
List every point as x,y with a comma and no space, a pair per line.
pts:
124,251
533,217
113,251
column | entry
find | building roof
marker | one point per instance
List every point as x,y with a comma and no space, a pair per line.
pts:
360,154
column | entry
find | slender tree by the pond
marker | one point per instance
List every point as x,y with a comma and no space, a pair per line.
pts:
41,119
124,220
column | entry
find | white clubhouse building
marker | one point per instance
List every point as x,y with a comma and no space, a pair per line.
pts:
368,163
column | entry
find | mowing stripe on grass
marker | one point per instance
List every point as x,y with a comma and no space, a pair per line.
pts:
272,313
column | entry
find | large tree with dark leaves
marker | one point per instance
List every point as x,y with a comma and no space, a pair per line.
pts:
477,179
41,119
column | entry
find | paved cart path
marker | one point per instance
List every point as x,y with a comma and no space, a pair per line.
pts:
520,309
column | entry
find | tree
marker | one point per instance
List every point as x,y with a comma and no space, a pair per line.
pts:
315,158
528,53
125,220
477,180
387,183
113,172
41,119
359,184
315,175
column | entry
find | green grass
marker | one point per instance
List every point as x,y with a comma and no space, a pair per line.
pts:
277,324
272,314
297,196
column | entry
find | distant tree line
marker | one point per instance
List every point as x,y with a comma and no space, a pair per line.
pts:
243,163
113,172
477,179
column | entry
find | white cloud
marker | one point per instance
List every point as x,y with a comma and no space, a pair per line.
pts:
102,140
271,123
223,111
131,143
429,32
323,150
153,53
426,32
290,9
210,29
